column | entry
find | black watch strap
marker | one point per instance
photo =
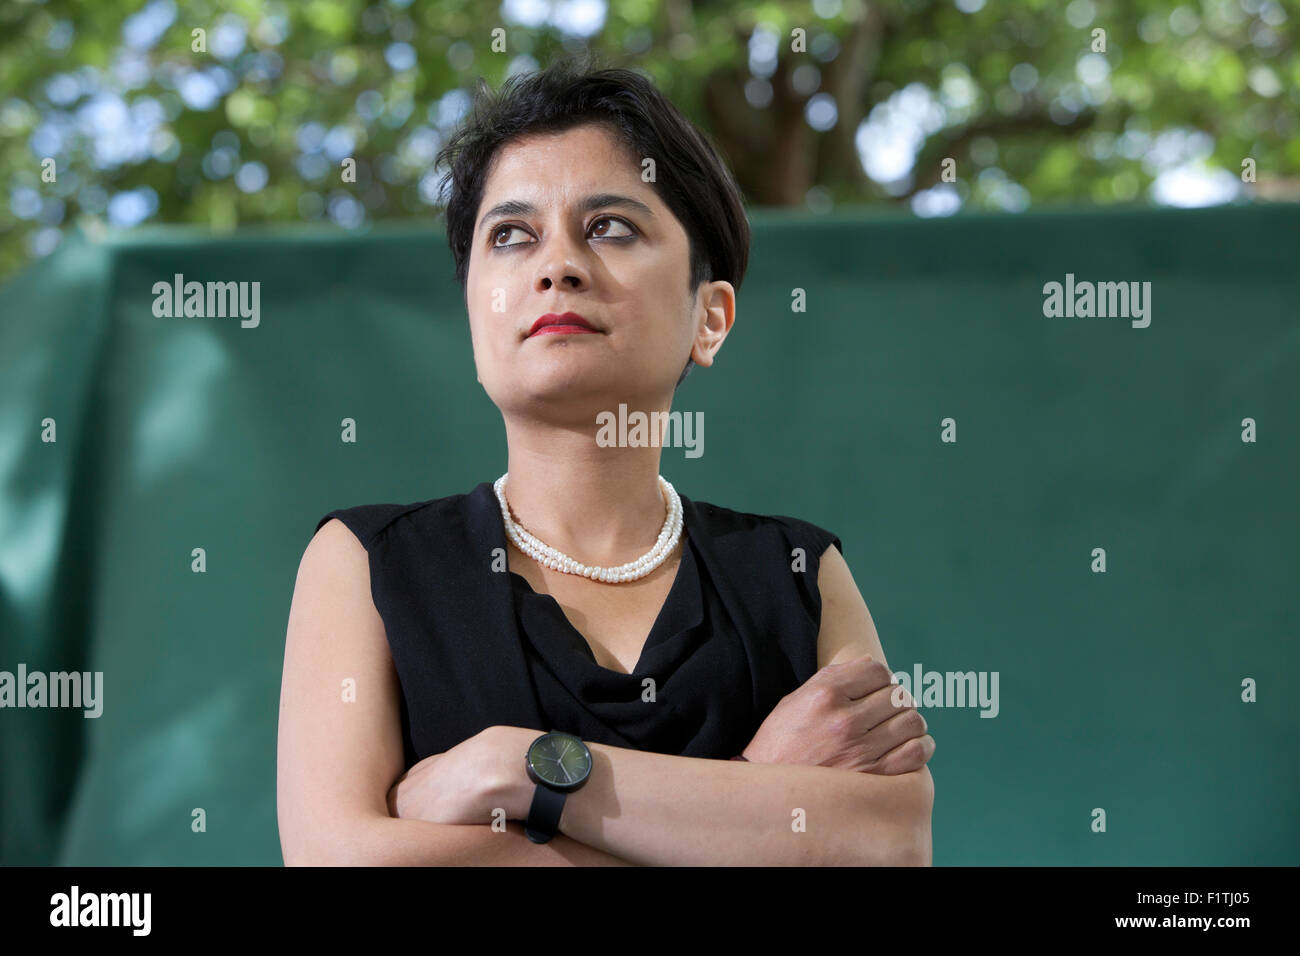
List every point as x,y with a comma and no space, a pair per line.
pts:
544,814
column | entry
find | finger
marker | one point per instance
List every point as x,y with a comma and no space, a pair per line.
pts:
858,678
901,727
909,756
881,705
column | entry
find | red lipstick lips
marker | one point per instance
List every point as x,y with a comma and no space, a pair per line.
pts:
567,323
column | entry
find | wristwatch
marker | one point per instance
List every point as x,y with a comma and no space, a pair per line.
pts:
558,763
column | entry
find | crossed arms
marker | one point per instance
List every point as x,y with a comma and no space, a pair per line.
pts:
837,776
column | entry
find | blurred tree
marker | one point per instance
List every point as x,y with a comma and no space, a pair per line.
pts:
249,111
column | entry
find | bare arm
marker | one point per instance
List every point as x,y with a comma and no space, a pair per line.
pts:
850,713
394,842
336,760
665,810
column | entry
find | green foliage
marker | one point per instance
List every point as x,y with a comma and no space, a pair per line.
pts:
329,68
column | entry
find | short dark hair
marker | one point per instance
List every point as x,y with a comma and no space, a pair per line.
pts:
690,176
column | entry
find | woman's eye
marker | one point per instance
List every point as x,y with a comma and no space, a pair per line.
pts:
616,222
497,235
600,229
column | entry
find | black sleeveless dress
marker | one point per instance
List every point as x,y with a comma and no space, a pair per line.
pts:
474,645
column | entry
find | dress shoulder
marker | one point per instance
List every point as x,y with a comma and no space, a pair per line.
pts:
798,532
821,538
370,522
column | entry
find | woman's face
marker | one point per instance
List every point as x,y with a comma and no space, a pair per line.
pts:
596,240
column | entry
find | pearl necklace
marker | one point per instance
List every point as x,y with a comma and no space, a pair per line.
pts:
559,561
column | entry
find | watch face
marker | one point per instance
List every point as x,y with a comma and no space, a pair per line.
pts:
560,760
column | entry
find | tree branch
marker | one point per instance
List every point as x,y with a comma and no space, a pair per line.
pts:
848,79
955,142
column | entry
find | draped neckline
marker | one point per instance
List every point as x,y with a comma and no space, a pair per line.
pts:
551,631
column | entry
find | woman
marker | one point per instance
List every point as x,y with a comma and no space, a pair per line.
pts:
714,679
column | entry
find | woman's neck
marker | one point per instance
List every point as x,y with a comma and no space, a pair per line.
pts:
602,506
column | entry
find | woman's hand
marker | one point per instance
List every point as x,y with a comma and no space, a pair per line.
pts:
465,784
845,716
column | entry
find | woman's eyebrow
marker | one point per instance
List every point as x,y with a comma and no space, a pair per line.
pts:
519,207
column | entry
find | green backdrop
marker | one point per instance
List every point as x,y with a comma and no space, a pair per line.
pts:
1119,690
